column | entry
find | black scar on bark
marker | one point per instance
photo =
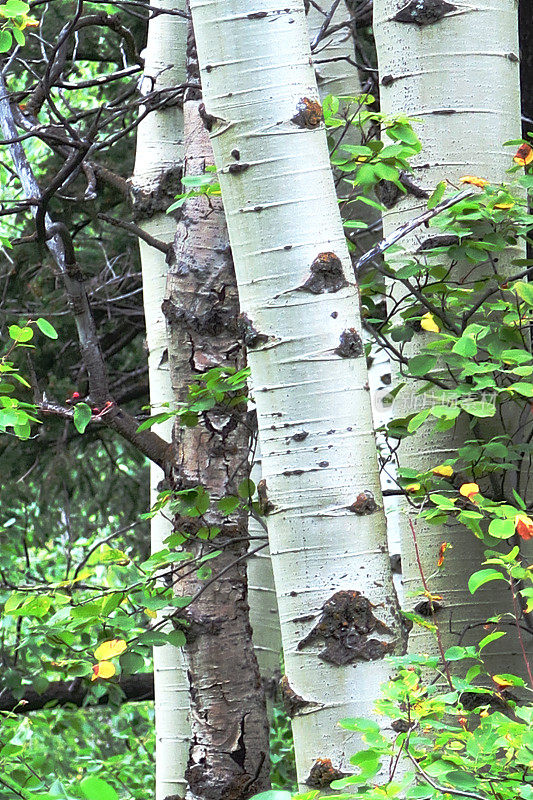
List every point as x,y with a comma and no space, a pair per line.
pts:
235,169
293,702
327,275
424,12
309,114
208,119
350,344
299,436
345,627
426,608
249,335
323,773
364,504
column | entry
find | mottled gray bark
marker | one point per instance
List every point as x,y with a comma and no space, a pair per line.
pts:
229,747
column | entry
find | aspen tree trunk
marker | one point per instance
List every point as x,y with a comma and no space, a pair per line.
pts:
320,483
456,69
228,758
264,616
155,182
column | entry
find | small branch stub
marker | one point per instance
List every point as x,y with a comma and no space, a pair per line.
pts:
264,503
323,773
350,344
327,275
291,701
249,335
309,114
364,504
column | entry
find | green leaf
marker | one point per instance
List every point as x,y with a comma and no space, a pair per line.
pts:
20,334
177,638
19,36
418,419
246,489
421,365
97,789
455,653
492,637
502,528
5,41
483,576
15,8
478,408
524,291
465,346
272,794
82,416
228,504
155,419
523,388
46,328
437,194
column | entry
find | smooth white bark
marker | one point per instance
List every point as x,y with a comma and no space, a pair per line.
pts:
160,150
459,78
313,406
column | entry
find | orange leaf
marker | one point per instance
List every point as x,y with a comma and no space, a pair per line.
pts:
524,526
524,155
104,669
109,649
474,180
444,546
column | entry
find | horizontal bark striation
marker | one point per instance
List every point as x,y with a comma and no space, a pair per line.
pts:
228,757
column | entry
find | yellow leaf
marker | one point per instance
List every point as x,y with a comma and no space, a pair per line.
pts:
499,680
104,669
503,205
412,487
443,470
469,489
152,614
428,323
474,180
109,649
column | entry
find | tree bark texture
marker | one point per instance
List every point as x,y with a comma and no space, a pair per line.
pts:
433,58
155,183
228,758
320,482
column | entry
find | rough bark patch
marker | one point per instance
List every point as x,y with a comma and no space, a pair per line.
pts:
424,12
323,773
327,275
345,626
293,702
364,504
350,344
249,335
309,114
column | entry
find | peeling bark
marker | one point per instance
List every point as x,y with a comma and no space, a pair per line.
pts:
228,758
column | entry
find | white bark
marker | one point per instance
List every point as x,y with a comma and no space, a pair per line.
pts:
459,76
264,616
159,153
313,406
